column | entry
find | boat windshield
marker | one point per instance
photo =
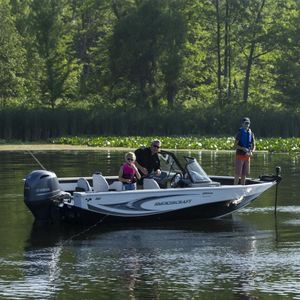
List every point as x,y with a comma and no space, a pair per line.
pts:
195,171
169,164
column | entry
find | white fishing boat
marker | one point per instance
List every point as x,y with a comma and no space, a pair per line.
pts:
180,192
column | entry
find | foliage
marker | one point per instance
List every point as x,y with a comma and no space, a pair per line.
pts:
288,64
289,145
146,51
51,24
12,56
196,62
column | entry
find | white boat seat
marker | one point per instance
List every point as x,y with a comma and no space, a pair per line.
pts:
83,185
99,183
149,183
116,186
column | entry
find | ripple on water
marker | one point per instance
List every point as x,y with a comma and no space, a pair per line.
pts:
295,222
269,209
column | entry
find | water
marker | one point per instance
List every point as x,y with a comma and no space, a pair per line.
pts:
250,256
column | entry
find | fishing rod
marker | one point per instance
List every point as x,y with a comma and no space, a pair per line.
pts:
34,157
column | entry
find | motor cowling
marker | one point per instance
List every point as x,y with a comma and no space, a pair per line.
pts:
41,187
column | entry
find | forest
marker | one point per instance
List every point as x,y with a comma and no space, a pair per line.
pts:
148,67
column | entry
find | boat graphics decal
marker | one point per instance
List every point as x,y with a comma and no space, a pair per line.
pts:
135,209
224,208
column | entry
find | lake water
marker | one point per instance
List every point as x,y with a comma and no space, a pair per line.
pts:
252,255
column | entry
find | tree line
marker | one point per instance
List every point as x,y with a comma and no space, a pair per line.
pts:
150,54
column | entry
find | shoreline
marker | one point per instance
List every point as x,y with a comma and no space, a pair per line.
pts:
53,147
61,147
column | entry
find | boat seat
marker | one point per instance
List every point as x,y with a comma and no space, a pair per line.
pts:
149,183
116,186
99,183
83,185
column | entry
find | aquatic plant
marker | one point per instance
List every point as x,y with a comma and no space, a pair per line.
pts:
288,145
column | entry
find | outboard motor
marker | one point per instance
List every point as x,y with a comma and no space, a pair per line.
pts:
40,189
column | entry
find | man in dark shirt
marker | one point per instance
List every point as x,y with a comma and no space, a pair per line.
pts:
147,160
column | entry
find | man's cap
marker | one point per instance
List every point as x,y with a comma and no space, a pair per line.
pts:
246,119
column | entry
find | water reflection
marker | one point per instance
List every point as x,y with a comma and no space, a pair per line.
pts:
51,235
147,260
156,258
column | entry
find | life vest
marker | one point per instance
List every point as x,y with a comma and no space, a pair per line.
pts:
245,138
129,173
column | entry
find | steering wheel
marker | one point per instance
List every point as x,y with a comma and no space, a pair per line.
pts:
175,179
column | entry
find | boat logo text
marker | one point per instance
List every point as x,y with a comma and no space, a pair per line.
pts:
174,202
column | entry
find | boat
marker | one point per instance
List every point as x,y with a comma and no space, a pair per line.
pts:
183,191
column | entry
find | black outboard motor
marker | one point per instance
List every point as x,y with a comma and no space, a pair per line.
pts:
40,189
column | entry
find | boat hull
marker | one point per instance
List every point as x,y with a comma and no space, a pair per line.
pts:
161,205
206,211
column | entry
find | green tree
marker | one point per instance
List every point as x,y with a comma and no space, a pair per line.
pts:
12,56
258,38
173,44
94,22
52,27
33,64
198,82
146,51
232,49
288,62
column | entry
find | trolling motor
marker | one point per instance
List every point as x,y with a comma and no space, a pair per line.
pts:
277,177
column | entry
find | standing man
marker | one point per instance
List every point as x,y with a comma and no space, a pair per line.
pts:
245,146
147,160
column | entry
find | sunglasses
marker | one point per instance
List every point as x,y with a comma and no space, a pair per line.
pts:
246,123
129,158
155,146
